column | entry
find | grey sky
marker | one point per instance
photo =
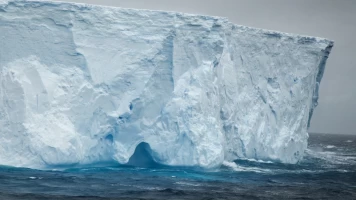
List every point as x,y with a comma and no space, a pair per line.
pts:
332,19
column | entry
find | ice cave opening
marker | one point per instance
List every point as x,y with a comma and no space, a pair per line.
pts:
142,156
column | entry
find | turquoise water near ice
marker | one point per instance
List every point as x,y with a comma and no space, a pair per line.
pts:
328,171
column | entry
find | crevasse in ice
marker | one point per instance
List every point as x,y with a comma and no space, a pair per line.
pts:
83,84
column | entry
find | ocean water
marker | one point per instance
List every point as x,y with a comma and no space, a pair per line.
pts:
328,171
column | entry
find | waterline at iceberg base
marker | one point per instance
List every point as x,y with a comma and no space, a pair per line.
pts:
84,84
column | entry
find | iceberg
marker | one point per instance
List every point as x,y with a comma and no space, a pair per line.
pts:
83,84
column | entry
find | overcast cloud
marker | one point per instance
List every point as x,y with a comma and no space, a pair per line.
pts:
332,19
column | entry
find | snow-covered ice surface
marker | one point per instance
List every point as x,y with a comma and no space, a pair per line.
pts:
84,84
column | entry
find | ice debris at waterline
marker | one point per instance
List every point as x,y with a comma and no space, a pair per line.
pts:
84,84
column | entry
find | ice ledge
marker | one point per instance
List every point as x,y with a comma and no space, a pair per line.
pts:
69,5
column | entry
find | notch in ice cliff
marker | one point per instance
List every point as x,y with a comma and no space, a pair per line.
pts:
83,84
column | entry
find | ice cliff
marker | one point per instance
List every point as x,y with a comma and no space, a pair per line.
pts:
83,84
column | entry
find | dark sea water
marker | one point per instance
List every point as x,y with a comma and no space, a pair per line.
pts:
327,172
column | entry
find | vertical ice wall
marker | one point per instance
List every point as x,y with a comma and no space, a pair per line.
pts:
83,84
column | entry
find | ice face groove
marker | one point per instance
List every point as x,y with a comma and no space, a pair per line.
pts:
84,84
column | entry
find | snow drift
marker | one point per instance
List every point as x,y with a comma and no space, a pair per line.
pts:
83,84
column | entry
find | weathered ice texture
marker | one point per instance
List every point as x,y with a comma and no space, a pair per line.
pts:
83,84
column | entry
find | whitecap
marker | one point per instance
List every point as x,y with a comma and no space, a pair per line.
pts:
188,184
239,168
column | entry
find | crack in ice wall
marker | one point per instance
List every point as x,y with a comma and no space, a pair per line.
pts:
84,84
